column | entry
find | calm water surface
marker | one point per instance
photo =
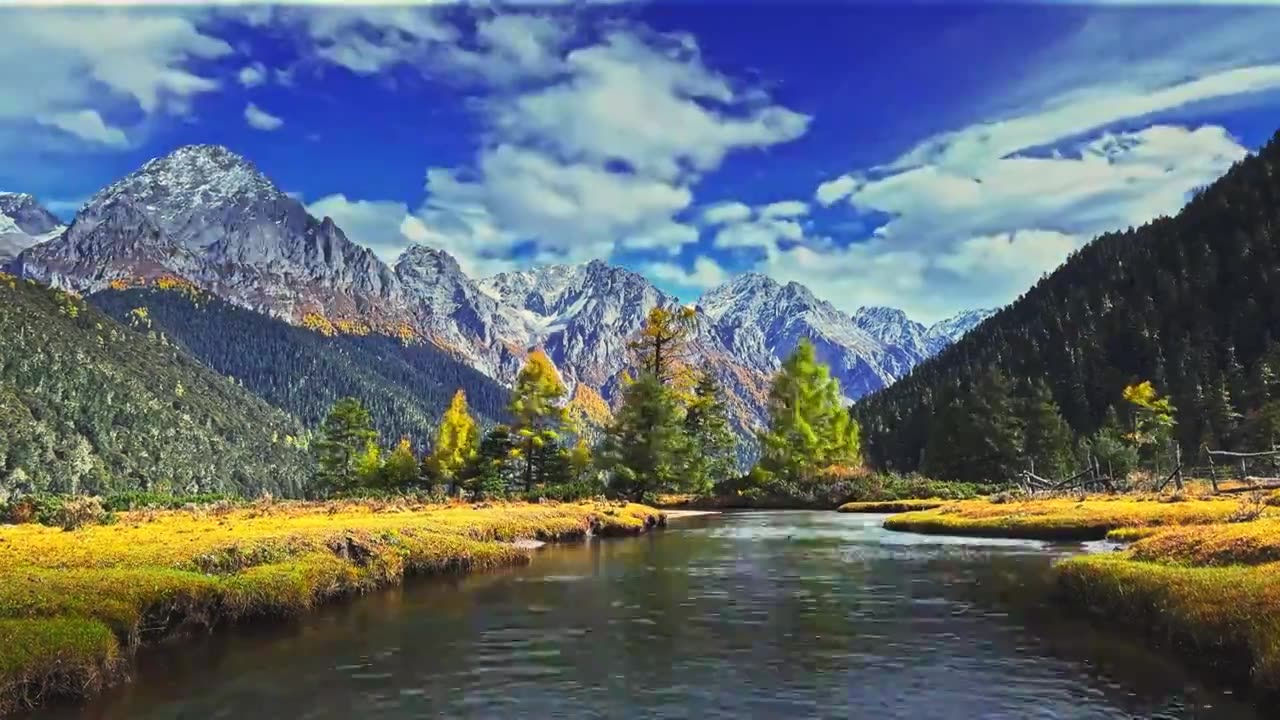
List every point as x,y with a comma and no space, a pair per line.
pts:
769,615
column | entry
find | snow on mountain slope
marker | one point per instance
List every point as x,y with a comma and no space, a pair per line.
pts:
209,216
24,223
945,332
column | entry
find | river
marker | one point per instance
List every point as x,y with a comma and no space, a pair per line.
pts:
761,614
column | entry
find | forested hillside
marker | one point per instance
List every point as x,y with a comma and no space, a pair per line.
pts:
1189,303
89,405
405,387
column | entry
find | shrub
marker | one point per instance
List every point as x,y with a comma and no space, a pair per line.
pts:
77,512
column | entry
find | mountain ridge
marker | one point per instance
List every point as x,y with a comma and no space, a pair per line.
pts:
211,217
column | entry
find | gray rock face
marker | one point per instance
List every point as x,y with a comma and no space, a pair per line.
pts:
209,216
24,223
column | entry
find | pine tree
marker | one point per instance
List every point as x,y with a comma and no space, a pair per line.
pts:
456,441
345,437
977,435
492,472
400,472
711,443
1048,441
540,415
644,446
661,348
809,427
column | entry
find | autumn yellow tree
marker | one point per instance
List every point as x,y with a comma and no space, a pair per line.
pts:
540,415
456,441
661,348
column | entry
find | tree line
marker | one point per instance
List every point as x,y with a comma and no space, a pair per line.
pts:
671,433
1190,304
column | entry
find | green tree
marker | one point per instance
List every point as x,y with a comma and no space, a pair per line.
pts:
344,442
1048,442
976,436
492,472
1153,419
711,444
644,445
401,468
537,406
456,441
1111,448
809,427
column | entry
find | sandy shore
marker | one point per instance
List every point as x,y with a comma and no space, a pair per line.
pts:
677,514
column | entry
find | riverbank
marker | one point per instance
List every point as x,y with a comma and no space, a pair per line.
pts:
1209,593
1201,577
1069,519
74,605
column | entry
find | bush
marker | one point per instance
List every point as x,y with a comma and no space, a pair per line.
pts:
137,500
77,512
40,508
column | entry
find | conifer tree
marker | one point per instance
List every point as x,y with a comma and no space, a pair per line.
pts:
711,444
401,468
540,415
1048,442
661,347
809,427
492,472
345,438
976,436
644,446
456,441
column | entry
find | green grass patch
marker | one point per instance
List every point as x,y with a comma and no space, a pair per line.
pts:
45,659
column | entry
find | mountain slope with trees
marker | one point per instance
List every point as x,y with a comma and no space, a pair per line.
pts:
88,405
1190,304
405,387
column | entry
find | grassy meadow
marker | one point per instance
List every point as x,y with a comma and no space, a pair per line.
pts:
75,603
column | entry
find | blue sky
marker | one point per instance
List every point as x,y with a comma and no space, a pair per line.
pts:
931,157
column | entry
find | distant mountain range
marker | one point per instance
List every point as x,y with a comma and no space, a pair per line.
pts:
207,215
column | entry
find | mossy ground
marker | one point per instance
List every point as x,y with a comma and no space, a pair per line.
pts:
73,604
1089,518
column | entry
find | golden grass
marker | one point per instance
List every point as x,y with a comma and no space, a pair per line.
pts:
1063,518
70,600
1245,543
1224,618
891,506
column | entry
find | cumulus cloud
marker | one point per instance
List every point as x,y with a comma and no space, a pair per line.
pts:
785,209
990,208
137,60
86,125
705,274
726,212
377,224
260,119
252,75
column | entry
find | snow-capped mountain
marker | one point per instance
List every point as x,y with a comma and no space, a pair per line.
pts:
945,332
208,215
763,320
23,223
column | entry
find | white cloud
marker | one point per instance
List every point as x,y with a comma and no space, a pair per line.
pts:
260,119
704,275
376,224
78,61
833,191
726,212
252,75
785,209
86,125
644,106
602,153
